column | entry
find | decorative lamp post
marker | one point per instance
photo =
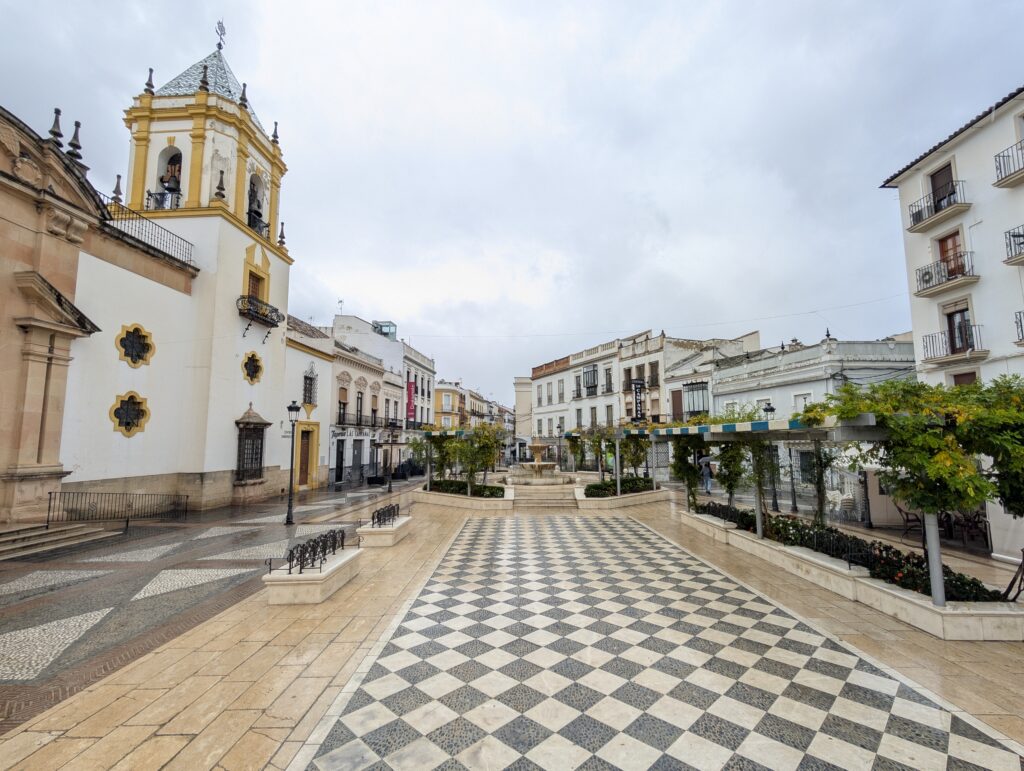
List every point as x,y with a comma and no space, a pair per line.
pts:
792,484
392,427
769,413
293,416
561,428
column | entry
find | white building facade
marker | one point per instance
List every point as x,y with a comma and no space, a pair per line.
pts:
962,210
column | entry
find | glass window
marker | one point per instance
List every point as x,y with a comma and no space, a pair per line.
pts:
609,414
250,453
540,427
550,399
551,427
561,391
540,395
579,418
593,416
696,398
608,380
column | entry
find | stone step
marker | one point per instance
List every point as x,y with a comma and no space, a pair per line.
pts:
38,541
564,492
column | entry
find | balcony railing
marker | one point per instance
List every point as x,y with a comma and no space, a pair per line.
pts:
591,390
129,222
937,201
1015,243
365,421
162,200
1010,162
254,309
415,425
961,339
1019,319
938,273
607,389
577,394
652,381
256,223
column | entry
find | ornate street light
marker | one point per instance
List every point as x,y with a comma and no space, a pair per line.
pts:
392,427
769,413
293,416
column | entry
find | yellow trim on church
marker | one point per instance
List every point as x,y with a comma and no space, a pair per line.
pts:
125,329
308,349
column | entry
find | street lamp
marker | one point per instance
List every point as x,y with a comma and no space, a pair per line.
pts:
392,426
769,412
561,428
792,484
293,416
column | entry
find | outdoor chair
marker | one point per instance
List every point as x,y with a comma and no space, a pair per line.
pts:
911,521
972,523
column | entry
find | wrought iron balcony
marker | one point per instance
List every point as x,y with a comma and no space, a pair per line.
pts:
577,394
652,381
254,309
963,341
591,390
1015,246
256,223
1019,319
607,389
1010,166
129,222
415,425
938,206
162,199
954,271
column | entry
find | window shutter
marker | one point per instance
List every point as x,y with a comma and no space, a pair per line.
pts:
343,395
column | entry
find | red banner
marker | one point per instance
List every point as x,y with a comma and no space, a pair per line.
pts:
410,409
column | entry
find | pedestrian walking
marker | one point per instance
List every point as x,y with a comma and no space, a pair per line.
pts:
706,473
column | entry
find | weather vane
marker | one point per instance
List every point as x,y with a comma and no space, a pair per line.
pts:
221,32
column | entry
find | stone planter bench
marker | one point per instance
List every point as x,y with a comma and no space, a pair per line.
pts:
465,502
621,501
312,586
956,621
384,536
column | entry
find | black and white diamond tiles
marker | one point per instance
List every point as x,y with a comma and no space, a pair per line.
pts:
570,642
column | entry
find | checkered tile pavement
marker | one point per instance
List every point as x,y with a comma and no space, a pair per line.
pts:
570,642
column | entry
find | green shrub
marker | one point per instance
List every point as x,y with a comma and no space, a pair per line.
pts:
908,570
458,487
629,485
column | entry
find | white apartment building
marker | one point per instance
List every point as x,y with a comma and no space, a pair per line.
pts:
688,381
789,377
595,386
962,206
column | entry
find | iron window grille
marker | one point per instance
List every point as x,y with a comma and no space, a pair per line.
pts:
250,453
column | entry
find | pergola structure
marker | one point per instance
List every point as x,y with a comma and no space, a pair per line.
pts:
863,428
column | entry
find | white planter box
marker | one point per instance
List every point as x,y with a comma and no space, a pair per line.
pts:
464,502
956,621
312,586
384,536
620,501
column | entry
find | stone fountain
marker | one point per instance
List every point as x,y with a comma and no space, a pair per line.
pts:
538,472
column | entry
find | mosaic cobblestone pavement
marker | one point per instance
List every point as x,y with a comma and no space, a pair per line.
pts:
592,643
69,617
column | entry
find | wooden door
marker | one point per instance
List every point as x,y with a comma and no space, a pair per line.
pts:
951,255
304,447
677,405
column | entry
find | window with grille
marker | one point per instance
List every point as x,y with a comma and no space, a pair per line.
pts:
309,386
696,398
590,379
250,453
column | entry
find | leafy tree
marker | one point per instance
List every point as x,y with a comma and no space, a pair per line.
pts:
577,448
596,438
441,449
488,438
731,458
683,467
633,450
935,436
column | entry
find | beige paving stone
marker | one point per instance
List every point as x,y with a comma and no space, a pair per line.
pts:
110,749
309,721
284,755
54,755
23,745
297,699
258,664
333,658
174,701
153,753
228,660
79,707
216,740
205,709
308,648
181,670
253,751
264,691
148,666
115,714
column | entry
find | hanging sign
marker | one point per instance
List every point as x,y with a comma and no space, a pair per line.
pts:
410,409
638,400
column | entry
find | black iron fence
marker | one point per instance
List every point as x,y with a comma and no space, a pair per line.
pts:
362,420
938,273
66,506
1010,161
1014,242
130,223
384,516
312,554
1019,319
162,199
961,339
936,201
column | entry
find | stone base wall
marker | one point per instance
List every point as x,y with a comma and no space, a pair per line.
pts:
206,490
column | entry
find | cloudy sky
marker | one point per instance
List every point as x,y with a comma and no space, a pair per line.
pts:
511,182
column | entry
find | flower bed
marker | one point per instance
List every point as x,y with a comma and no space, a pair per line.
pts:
457,487
606,489
885,562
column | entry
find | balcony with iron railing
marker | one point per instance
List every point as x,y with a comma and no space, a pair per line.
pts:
1019,320
254,309
162,200
956,271
591,390
130,224
577,393
608,389
1014,246
652,381
938,206
1010,166
961,343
